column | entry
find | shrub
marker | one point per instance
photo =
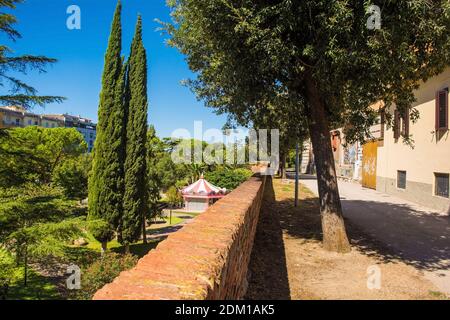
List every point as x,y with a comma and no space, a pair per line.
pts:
102,272
72,176
229,179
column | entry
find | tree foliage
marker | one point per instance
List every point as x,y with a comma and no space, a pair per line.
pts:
173,197
135,196
320,57
33,154
106,184
72,175
154,178
229,179
36,222
16,91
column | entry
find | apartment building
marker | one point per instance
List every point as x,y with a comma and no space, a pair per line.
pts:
85,126
18,117
419,172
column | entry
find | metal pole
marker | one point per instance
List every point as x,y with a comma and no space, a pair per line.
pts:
297,166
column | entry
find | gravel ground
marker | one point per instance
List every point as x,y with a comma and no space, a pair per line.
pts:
288,261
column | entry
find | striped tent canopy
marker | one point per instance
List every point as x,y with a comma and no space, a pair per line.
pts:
203,188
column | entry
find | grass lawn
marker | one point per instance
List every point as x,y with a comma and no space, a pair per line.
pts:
139,249
185,213
42,288
38,287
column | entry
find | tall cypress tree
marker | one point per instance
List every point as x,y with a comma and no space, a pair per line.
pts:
135,199
106,185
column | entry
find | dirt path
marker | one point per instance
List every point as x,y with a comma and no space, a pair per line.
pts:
288,261
417,235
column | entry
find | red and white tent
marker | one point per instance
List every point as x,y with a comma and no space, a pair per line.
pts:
203,188
199,196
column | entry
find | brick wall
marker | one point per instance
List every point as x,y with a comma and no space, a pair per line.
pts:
207,259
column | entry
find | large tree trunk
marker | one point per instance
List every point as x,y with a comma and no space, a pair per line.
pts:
333,227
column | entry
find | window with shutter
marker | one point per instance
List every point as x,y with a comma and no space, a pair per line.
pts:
382,123
442,110
396,124
405,124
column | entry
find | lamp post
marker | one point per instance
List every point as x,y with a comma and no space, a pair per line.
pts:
297,165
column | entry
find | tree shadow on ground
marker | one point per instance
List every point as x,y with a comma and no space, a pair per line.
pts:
140,249
268,277
163,232
402,233
389,232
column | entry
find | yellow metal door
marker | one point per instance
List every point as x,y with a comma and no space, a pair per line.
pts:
369,170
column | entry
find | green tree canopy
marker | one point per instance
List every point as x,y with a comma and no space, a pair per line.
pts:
15,91
229,179
321,55
106,184
32,154
135,196
36,222
72,175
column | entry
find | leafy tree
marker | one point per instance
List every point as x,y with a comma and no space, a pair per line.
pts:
135,197
19,93
173,197
322,57
160,161
154,178
72,175
106,184
229,179
32,154
36,222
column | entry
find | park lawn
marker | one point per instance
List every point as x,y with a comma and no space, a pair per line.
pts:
38,287
139,249
42,288
175,220
192,214
96,245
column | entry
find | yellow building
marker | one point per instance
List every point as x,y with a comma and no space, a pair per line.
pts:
12,117
31,119
50,122
419,173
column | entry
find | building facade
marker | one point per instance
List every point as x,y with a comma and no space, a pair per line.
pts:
419,172
18,117
12,117
85,126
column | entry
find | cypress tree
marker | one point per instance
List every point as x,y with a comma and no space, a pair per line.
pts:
135,199
106,185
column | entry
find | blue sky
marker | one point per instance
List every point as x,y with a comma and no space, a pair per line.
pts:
80,54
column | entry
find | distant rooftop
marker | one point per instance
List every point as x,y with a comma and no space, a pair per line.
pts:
60,117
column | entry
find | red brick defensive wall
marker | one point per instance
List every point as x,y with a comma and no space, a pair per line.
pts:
206,260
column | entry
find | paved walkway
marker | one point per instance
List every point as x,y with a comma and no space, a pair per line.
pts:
417,235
